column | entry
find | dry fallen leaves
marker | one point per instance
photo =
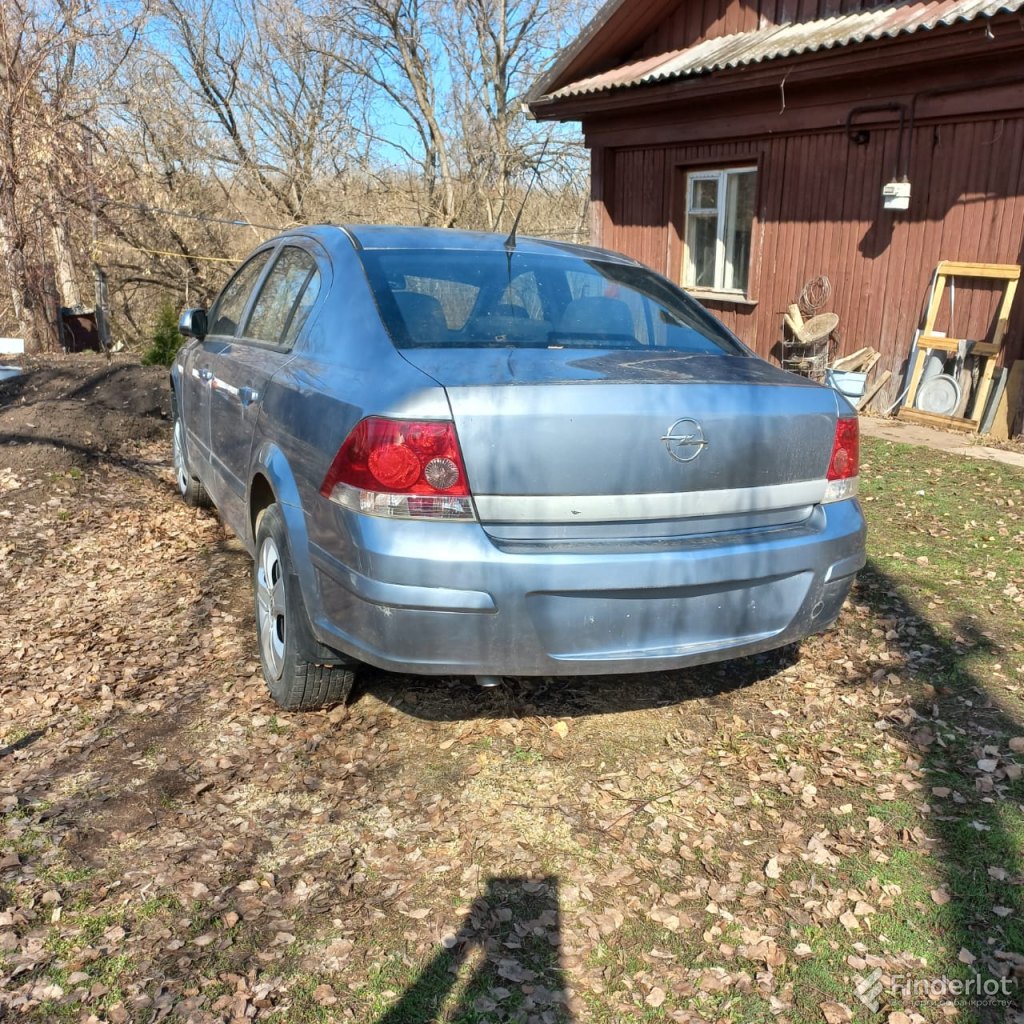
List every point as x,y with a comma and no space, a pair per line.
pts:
154,714
655,997
836,1013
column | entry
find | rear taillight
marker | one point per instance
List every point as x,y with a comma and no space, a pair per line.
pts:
404,469
845,461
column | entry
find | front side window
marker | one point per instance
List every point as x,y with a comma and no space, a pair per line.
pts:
719,227
228,308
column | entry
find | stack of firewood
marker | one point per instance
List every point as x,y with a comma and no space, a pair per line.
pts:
863,361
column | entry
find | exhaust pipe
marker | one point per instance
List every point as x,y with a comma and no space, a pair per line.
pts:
488,682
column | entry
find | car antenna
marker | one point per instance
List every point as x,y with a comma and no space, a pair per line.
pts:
510,242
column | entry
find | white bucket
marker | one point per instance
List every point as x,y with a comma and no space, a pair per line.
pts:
847,382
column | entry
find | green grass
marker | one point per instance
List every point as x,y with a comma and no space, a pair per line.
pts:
523,756
944,565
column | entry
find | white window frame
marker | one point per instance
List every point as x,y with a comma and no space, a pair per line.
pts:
722,228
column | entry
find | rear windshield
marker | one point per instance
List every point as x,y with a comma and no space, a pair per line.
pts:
431,298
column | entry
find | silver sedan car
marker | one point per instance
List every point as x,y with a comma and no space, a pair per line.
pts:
454,453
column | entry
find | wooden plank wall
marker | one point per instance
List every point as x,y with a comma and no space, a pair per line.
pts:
819,211
692,22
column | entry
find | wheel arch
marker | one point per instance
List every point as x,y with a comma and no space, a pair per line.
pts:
261,495
272,482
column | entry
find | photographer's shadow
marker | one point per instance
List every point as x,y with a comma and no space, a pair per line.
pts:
504,958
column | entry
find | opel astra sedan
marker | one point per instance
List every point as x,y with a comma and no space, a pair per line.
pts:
454,453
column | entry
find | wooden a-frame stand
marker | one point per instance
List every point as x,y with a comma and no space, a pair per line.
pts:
989,351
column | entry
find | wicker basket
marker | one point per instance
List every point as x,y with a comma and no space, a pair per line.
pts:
817,328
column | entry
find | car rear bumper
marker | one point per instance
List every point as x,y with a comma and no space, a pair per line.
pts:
444,598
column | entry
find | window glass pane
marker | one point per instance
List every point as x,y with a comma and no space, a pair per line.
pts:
456,298
272,310
739,220
583,284
522,297
703,193
306,302
588,303
228,308
701,243
591,285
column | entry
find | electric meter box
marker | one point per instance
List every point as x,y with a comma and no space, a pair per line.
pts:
896,195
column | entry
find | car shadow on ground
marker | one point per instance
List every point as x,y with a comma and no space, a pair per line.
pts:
955,723
460,698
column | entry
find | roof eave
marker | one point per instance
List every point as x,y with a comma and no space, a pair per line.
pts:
545,98
568,54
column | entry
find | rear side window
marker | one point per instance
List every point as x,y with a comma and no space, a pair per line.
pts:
477,299
231,303
288,294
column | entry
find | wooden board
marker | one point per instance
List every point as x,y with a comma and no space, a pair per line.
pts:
853,360
864,402
933,419
944,344
1010,403
870,364
1000,271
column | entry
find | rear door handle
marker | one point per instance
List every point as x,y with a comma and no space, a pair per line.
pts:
247,395
204,375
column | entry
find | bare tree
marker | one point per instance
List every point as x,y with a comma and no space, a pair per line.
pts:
269,108
55,56
27,48
396,47
230,119
454,73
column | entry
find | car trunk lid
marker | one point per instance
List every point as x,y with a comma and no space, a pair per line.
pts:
568,444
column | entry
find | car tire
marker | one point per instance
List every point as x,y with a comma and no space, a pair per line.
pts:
189,486
281,626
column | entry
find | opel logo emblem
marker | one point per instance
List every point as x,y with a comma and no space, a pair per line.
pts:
684,440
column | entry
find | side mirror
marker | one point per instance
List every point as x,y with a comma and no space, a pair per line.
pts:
193,323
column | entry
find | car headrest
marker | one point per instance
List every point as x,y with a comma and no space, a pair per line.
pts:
597,314
423,316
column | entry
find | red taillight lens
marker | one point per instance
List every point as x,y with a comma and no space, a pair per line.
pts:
394,467
844,463
845,450
401,468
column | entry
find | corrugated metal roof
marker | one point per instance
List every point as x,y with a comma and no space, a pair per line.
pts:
777,41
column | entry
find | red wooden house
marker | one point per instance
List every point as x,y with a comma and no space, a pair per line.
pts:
741,147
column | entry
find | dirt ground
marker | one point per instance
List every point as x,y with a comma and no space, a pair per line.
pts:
67,412
713,845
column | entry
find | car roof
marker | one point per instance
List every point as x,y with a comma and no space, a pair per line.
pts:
389,236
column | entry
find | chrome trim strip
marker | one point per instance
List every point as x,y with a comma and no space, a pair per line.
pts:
609,508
